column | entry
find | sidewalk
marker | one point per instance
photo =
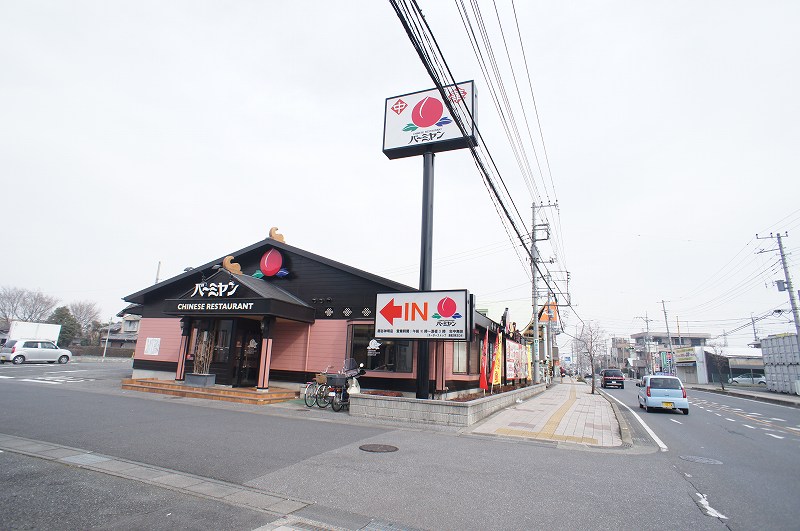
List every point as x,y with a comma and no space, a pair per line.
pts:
565,413
753,394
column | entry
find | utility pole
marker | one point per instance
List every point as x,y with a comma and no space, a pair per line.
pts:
534,295
790,289
755,334
647,359
669,337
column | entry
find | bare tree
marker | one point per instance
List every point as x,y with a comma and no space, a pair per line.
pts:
25,305
593,339
85,312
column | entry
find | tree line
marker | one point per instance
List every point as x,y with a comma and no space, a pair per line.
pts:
78,319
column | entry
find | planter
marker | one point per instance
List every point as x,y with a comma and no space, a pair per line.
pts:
199,380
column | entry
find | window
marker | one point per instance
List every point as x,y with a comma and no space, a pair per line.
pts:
665,383
31,344
393,356
46,344
460,357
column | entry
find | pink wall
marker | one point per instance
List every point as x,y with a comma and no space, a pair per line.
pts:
296,347
168,330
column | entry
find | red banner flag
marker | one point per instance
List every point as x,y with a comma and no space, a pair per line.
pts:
484,383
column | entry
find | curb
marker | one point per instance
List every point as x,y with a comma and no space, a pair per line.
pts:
757,398
624,428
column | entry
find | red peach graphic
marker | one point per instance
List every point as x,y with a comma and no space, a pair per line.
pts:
427,112
271,262
446,307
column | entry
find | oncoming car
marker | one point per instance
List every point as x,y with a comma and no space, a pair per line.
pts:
664,392
21,350
609,377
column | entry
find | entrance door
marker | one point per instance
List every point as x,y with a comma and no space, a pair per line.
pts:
246,353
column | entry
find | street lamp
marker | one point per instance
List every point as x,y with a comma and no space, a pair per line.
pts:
108,333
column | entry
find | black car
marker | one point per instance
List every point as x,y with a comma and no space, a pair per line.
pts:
609,377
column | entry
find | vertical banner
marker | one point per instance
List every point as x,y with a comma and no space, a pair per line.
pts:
497,364
484,351
528,350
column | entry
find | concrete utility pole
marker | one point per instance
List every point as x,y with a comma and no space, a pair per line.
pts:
534,259
647,358
669,337
792,299
788,280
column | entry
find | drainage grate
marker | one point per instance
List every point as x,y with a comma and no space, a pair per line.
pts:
703,460
378,448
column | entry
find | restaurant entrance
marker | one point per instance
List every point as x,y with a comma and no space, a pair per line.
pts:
236,347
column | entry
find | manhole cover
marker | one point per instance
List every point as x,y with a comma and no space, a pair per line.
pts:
378,448
703,460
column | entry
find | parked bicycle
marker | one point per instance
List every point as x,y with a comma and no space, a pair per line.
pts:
342,385
316,391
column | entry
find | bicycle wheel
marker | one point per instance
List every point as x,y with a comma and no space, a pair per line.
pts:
322,396
336,402
310,397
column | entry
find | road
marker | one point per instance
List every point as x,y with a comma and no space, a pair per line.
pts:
747,450
438,478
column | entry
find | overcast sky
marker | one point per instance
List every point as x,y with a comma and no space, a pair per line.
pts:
175,132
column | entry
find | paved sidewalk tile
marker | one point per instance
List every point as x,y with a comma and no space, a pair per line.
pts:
566,412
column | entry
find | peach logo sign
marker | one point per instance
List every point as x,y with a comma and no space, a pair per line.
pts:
422,315
421,121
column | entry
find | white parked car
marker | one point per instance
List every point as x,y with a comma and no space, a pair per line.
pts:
663,392
751,378
21,350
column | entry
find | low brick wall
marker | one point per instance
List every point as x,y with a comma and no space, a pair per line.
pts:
442,412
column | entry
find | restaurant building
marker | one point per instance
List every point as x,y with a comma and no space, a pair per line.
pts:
272,312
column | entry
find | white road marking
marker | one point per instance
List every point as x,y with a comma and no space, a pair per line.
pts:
755,414
702,502
679,422
76,370
650,432
776,436
717,414
737,409
748,426
779,420
732,420
7,377
38,381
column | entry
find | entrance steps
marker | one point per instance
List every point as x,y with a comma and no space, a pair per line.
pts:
242,395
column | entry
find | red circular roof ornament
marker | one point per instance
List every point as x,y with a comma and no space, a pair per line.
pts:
271,263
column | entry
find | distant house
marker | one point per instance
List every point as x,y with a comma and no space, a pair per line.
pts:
123,334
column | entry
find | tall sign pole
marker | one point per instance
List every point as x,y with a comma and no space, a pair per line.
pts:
425,269
424,123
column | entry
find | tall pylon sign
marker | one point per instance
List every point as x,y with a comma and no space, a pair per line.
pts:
424,123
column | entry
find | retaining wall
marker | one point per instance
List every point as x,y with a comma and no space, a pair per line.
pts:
442,412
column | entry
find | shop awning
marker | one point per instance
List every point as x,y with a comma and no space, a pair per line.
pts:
227,294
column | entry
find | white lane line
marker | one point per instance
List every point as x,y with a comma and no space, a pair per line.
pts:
779,420
679,422
726,418
7,377
702,502
38,381
748,426
773,435
717,414
754,414
754,401
650,432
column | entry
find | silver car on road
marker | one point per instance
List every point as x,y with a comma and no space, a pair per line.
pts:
664,392
21,350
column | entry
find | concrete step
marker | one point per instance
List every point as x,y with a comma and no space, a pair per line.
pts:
225,394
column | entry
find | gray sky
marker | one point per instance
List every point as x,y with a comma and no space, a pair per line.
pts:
133,133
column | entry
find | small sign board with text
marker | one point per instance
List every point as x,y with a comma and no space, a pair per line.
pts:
443,315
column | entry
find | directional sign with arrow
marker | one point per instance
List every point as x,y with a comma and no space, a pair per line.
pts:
442,315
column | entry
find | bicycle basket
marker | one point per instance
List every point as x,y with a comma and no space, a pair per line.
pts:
337,380
321,378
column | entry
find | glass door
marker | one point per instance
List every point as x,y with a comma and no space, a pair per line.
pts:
246,353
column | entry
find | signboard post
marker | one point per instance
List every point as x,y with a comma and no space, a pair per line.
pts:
421,123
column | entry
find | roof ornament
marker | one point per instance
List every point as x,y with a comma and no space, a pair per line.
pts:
273,233
229,265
